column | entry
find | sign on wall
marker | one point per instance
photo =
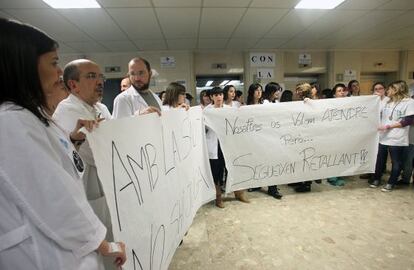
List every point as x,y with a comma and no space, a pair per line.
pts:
296,141
262,59
305,60
349,75
265,73
168,62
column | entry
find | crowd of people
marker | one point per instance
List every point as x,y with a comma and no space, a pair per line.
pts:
396,136
53,209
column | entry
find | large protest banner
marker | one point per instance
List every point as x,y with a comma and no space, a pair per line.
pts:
297,141
156,175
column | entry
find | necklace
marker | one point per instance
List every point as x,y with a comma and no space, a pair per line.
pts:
392,112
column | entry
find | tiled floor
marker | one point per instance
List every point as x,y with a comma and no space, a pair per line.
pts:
350,227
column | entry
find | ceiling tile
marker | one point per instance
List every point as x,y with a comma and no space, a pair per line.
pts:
95,22
151,44
177,3
371,19
137,23
257,21
181,44
87,47
330,22
3,14
322,44
212,43
398,4
125,3
217,23
61,28
120,46
227,3
270,43
275,4
358,4
405,33
296,43
63,48
179,22
23,4
294,22
241,43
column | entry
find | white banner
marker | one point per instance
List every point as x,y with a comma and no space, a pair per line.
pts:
296,141
155,174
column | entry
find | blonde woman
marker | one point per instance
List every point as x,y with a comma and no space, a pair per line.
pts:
397,115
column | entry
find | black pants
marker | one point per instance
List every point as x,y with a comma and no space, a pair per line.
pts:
217,167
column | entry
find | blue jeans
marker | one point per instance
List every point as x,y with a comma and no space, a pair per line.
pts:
407,169
396,153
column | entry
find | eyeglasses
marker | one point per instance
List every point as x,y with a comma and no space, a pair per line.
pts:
94,76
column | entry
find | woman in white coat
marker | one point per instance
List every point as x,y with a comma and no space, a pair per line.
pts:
45,219
174,97
217,163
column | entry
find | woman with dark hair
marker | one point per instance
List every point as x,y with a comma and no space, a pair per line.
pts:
204,99
327,93
286,96
254,95
229,92
46,221
271,93
175,96
217,163
161,95
315,91
340,90
353,88
239,97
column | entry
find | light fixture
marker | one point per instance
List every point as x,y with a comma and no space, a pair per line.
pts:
63,4
223,83
234,82
318,4
209,83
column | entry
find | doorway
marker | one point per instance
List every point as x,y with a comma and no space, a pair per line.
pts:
206,82
369,78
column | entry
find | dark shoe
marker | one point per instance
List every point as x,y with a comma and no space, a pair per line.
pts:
365,176
318,181
294,184
375,184
275,194
254,189
303,188
402,183
387,188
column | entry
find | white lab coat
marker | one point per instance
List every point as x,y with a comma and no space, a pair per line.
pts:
45,220
129,102
211,136
66,115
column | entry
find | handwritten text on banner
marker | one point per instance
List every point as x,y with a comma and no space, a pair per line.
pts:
296,141
155,175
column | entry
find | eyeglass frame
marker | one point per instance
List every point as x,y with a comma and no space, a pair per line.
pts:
94,76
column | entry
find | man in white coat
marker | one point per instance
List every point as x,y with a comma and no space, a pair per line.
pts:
138,98
85,82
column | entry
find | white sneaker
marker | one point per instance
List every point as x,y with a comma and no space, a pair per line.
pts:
387,188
